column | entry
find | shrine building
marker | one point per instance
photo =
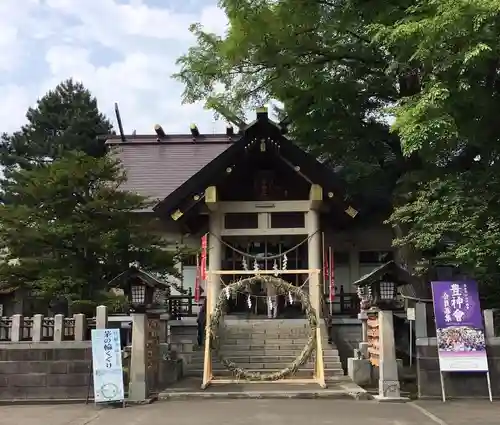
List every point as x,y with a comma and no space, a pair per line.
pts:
265,204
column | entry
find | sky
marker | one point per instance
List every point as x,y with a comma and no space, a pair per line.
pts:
122,50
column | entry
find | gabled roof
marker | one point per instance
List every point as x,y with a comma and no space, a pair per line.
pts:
174,168
261,129
409,286
147,277
390,271
156,169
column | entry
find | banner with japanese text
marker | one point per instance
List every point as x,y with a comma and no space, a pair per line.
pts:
332,276
107,365
459,327
197,281
203,265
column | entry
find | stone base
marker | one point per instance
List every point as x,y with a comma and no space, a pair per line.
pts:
383,399
359,370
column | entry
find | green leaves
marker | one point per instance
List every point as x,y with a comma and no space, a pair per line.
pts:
66,227
69,223
65,119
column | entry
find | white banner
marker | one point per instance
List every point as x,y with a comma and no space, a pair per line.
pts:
107,365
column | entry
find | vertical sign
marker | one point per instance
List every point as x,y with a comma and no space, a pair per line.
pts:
197,281
153,354
203,273
326,273
459,327
107,365
332,274
373,335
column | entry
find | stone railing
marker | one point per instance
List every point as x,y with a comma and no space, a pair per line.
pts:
58,328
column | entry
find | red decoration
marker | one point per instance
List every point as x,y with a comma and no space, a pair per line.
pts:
331,267
203,273
197,282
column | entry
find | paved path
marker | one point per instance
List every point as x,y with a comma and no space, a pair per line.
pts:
258,412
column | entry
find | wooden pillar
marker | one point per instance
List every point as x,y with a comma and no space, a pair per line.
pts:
314,245
214,245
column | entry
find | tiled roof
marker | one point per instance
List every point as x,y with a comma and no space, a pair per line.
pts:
156,168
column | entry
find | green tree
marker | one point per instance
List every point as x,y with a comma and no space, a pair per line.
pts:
65,119
69,229
342,68
452,211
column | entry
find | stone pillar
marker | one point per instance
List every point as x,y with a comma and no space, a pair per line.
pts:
80,326
101,317
37,329
138,361
214,256
420,320
58,327
17,328
388,384
314,258
489,324
363,345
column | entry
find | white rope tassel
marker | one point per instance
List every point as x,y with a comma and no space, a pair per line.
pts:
249,301
285,262
290,298
228,292
255,266
244,264
275,268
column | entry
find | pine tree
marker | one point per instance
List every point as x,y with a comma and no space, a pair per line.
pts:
69,230
66,227
65,119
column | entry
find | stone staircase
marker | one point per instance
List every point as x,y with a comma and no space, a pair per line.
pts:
265,346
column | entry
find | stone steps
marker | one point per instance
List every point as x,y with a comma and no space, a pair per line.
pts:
301,373
282,355
263,346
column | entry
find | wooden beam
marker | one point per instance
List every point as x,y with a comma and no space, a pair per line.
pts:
263,206
211,198
262,272
267,232
315,196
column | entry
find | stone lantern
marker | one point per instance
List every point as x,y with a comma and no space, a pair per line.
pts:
379,288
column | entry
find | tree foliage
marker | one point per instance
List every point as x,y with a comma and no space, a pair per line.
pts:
69,230
65,119
401,96
66,227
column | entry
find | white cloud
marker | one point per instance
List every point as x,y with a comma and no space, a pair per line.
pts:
123,52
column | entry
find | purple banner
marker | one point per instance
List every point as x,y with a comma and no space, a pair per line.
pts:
459,327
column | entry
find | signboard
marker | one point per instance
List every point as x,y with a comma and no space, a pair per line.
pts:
107,365
410,313
153,353
373,339
331,267
197,282
459,327
203,272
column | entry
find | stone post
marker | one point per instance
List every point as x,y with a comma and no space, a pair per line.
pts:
314,258
101,317
388,384
420,320
489,324
17,328
214,253
138,361
80,326
363,345
37,328
58,327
